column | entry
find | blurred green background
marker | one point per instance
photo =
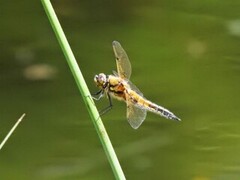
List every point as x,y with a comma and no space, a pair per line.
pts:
185,57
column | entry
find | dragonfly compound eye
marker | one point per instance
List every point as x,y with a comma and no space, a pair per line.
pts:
102,78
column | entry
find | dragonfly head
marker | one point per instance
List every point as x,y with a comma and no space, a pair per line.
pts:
101,80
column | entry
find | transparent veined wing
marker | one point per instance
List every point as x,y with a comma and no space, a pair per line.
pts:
135,115
124,68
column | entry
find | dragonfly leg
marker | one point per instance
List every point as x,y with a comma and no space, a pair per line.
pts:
98,95
108,108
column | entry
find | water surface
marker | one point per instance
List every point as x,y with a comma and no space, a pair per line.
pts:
185,56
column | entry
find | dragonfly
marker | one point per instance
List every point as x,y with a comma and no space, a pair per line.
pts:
118,86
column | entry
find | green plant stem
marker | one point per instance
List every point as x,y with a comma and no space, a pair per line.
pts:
117,170
11,131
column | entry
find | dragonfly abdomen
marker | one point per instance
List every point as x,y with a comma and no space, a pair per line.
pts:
162,111
141,102
152,107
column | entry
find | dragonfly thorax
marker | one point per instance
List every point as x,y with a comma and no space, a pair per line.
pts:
101,80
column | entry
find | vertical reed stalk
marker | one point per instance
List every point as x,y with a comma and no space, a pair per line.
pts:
102,133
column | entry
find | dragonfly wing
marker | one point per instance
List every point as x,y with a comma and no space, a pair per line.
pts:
123,64
135,115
